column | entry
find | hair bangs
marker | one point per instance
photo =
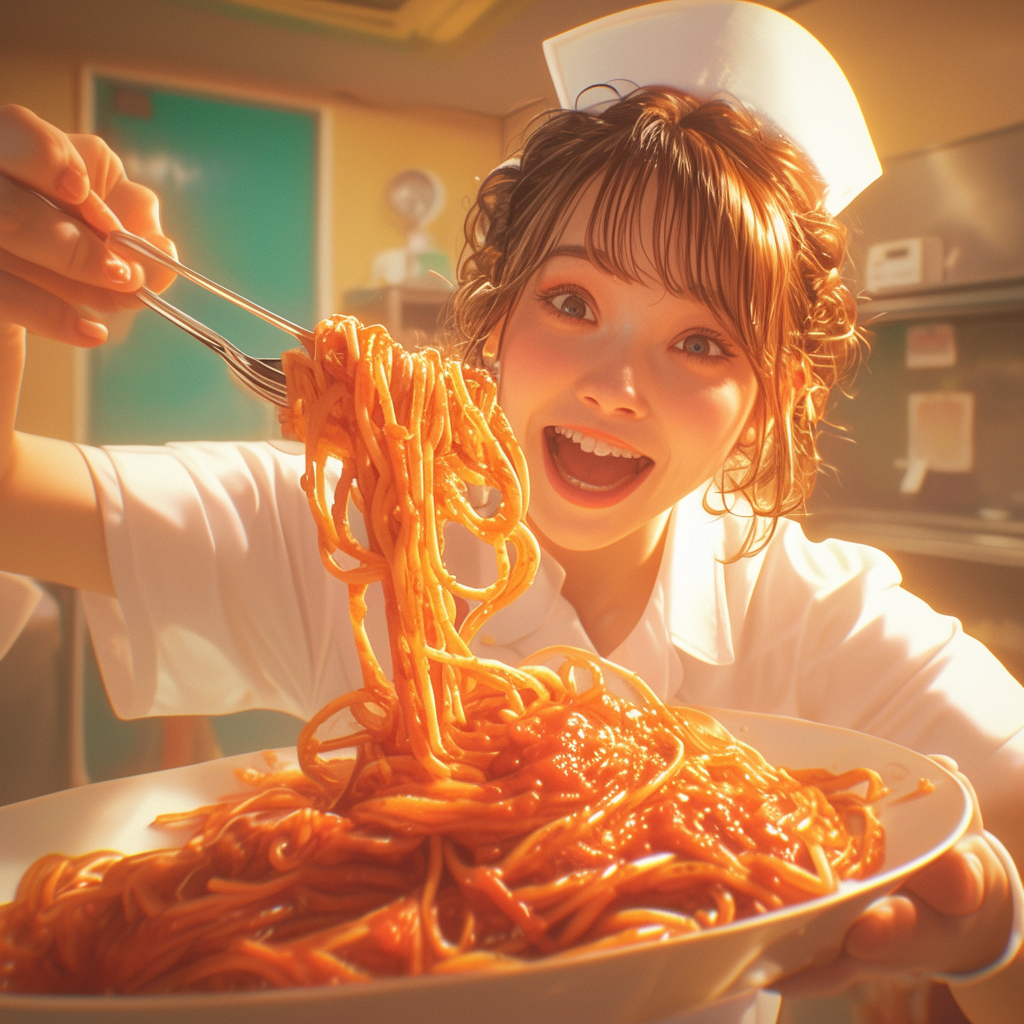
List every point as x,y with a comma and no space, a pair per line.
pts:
675,209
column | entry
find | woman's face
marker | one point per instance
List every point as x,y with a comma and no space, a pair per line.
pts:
623,396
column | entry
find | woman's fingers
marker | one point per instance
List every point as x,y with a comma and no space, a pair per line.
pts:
105,171
952,884
75,293
902,932
36,154
887,926
897,935
83,172
43,313
953,916
105,167
158,277
39,234
959,929
42,157
139,210
136,207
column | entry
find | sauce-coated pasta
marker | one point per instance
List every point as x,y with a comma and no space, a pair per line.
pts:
489,813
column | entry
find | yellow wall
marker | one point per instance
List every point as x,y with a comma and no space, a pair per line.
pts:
369,145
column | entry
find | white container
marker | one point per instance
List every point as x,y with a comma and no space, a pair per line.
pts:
904,265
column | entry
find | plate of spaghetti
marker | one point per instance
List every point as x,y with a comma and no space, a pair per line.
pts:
460,839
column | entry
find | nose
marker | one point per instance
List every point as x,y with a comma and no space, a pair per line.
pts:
612,389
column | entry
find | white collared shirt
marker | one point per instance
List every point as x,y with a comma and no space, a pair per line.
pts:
223,605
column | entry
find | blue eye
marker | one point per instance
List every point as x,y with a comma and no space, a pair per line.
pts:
702,345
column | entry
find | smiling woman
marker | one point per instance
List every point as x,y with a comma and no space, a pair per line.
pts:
659,283
660,279
685,220
627,365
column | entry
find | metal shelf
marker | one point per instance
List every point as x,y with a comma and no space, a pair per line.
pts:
1000,297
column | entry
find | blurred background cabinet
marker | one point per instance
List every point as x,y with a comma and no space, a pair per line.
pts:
413,314
927,462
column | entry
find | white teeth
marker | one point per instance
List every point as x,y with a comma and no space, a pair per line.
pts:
592,444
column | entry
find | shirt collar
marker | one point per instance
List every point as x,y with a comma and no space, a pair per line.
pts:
691,577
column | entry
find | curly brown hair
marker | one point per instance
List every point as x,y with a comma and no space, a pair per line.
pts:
738,224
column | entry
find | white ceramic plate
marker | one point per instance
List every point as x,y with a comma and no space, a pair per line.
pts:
622,987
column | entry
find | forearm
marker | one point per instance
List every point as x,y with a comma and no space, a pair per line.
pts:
56,276
53,527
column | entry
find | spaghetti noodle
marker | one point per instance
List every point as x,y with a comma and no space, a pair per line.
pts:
490,814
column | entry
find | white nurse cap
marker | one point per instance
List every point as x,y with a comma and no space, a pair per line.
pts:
729,48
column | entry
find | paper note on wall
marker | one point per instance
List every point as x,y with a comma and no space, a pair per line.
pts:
940,436
931,346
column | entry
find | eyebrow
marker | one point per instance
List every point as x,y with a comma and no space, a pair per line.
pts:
598,258
578,252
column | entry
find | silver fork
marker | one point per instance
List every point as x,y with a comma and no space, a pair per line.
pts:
264,377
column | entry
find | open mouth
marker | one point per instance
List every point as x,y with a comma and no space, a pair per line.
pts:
589,470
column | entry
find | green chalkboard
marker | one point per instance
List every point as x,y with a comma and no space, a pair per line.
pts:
237,187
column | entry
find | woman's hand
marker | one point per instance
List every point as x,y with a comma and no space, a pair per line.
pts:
51,264
951,917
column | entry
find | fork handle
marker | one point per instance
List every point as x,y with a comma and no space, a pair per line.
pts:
141,247
150,251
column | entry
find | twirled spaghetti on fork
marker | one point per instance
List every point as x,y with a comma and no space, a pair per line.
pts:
489,813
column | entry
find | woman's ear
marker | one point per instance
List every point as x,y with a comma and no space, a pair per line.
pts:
800,391
748,436
490,353
492,346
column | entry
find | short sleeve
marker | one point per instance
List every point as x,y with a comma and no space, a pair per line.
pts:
869,655
222,601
